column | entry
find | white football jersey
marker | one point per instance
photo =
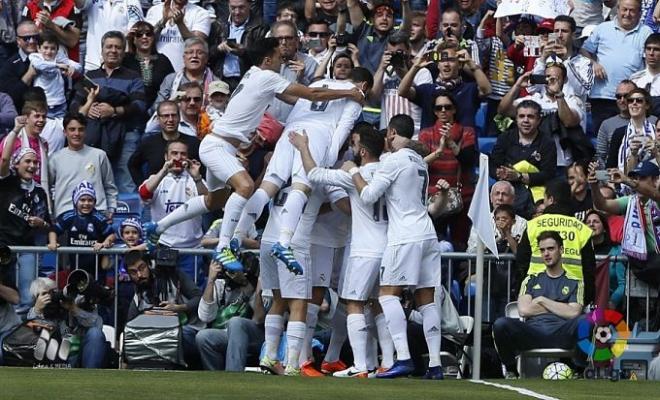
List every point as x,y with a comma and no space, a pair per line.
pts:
271,232
403,179
301,241
368,221
248,104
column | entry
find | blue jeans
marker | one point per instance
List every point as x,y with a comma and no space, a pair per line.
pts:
120,170
25,268
190,352
229,348
93,349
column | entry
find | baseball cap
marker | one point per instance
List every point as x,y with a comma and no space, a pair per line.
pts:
218,87
645,169
547,25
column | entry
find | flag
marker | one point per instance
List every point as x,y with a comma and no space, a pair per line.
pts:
479,212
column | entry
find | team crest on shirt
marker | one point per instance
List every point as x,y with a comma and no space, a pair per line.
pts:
90,227
565,290
536,155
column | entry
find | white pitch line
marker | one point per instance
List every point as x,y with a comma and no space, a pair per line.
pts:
522,391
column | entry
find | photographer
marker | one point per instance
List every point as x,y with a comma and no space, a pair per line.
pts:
76,319
160,287
8,297
394,65
177,181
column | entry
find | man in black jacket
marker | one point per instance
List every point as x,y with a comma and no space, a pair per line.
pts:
16,75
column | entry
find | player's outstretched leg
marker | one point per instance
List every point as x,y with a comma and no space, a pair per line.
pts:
192,208
285,254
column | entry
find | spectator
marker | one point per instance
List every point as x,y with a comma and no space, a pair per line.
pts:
53,131
7,113
168,288
10,15
579,77
551,302
501,193
83,324
607,128
452,159
143,58
194,120
525,157
616,270
218,99
324,10
24,211
114,115
195,69
467,94
287,11
526,27
174,22
371,35
228,55
646,78
177,181
297,67
105,16
576,175
590,12
228,348
78,162
51,69
8,298
16,74
338,65
417,33
318,32
616,50
60,18
453,29
393,67
635,142
148,158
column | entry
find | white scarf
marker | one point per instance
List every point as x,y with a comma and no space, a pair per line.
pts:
634,239
624,150
43,165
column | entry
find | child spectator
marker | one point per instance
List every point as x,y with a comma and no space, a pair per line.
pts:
85,227
50,65
219,97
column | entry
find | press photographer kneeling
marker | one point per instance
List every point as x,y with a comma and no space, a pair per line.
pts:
161,289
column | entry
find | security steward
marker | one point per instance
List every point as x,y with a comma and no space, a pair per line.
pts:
578,255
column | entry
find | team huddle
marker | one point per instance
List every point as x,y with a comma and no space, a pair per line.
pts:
355,226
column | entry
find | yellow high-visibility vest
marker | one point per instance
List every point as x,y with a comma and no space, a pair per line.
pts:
574,233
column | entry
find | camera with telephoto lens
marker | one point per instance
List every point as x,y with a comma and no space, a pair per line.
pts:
78,283
399,59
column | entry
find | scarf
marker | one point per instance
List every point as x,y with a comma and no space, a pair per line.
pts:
43,166
448,85
634,229
208,78
624,150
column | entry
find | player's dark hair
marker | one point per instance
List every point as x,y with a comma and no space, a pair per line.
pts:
550,235
78,117
114,35
363,126
372,141
403,125
361,74
569,20
262,49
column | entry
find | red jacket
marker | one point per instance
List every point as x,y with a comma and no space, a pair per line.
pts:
64,9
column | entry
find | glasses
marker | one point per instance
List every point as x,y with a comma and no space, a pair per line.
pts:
187,99
29,38
636,100
444,107
144,34
167,116
620,96
286,38
318,34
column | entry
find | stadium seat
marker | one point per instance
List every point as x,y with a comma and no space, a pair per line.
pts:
524,365
461,359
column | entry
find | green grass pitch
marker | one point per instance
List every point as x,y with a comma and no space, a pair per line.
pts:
22,383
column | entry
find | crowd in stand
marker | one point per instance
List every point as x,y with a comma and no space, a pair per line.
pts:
109,99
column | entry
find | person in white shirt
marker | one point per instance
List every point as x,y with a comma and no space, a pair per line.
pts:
175,21
177,181
329,124
648,77
359,280
412,255
50,66
105,16
258,88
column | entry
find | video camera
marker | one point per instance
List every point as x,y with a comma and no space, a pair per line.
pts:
166,257
399,59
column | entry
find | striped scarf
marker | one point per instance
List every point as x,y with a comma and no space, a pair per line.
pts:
624,150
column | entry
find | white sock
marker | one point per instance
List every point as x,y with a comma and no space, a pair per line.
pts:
385,341
396,324
233,210
190,209
372,340
251,212
293,209
432,332
295,334
357,335
312,319
273,327
339,333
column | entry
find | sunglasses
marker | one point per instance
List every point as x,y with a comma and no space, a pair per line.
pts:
286,38
29,38
444,107
187,99
144,34
636,100
620,96
318,34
